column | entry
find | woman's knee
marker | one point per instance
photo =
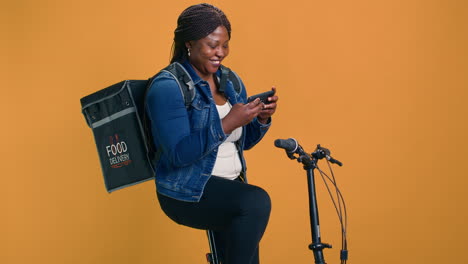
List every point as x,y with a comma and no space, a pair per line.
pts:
258,202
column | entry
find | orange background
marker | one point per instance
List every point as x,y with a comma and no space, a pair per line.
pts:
383,84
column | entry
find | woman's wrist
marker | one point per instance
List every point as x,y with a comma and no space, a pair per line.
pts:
227,126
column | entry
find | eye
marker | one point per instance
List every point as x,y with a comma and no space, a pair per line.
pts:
212,45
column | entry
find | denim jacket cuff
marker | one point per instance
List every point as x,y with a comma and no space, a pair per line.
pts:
219,133
268,124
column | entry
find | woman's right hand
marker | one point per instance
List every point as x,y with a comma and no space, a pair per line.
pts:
241,114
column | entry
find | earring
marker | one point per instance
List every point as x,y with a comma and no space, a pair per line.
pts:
188,51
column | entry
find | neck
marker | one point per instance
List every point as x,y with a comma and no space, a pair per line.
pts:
207,77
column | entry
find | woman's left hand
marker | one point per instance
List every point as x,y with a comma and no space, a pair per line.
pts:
268,109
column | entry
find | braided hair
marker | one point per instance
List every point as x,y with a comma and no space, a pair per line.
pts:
194,23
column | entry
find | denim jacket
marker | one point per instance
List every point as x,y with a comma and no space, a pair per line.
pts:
188,138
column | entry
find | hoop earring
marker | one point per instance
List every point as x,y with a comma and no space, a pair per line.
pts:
188,51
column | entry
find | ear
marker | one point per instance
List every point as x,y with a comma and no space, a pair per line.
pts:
188,44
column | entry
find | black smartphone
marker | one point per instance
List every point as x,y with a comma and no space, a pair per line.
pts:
263,97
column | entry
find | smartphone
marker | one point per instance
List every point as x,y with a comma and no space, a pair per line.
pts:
263,97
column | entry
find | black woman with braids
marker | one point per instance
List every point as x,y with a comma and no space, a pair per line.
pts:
201,171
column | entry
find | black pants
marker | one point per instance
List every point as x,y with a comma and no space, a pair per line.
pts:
237,212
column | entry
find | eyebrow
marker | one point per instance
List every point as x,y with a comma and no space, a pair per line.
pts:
212,39
216,40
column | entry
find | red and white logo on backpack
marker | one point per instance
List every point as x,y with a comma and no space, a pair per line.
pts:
117,152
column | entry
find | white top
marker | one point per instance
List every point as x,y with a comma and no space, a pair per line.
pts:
228,164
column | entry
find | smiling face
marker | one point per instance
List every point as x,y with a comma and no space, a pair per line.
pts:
206,54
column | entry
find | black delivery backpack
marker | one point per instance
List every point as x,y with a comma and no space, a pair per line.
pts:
117,118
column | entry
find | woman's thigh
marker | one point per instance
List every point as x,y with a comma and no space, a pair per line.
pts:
222,201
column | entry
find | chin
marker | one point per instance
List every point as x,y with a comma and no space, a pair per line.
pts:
212,69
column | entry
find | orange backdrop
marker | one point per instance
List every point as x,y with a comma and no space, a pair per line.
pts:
383,84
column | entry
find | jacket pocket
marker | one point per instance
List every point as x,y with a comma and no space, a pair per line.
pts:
198,113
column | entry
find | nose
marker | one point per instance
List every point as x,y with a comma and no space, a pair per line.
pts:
221,52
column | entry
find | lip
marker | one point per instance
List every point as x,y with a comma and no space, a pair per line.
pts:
216,62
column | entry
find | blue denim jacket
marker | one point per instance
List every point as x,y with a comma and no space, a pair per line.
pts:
188,138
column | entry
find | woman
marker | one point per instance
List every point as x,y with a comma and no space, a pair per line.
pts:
201,169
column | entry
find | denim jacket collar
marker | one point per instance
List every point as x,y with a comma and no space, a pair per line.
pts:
193,74
232,96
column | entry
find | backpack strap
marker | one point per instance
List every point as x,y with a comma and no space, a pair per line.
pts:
226,74
186,85
151,153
